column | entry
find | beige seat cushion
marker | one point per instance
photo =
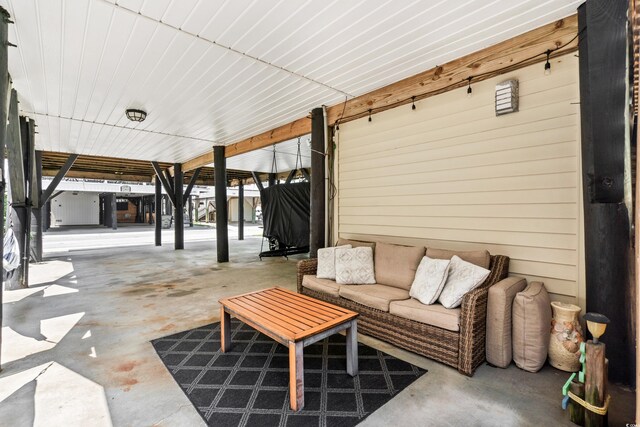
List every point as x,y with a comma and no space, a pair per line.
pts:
357,244
396,265
325,286
433,314
531,327
501,295
374,296
480,258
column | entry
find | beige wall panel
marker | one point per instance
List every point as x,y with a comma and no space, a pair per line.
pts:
451,174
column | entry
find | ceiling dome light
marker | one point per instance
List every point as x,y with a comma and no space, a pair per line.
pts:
136,115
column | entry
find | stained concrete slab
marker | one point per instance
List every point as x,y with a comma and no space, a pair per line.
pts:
76,345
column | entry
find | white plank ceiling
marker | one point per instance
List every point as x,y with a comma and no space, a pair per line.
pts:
218,71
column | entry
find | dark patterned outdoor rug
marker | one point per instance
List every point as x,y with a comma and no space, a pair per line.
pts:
249,386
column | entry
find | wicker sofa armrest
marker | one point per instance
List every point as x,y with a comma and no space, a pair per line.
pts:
473,327
304,267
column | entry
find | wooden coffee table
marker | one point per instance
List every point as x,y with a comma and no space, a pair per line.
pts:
293,320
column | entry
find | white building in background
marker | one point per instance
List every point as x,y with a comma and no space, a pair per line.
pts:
77,202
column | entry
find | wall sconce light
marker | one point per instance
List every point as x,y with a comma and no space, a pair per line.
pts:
507,97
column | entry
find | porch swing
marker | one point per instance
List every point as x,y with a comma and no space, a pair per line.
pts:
286,211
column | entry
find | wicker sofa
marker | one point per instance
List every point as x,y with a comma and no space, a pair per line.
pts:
461,345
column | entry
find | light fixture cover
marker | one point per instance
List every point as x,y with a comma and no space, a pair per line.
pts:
136,115
507,97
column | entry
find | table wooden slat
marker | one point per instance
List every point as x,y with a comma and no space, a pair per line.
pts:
287,314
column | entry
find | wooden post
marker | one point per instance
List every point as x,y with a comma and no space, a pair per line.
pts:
4,88
576,411
113,201
603,114
36,212
158,212
241,210
222,233
190,209
594,382
178,206
317,182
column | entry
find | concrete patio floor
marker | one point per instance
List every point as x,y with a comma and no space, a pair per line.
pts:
76,345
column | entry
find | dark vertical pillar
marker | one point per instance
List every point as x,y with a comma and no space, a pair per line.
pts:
158,212
4,88
190,209
179,207
603,109
241,211
222,233
113,202
37,212
47,216
27,148
317,182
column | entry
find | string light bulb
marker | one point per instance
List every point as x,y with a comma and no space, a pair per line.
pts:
369,114
469,90
547,65
413,102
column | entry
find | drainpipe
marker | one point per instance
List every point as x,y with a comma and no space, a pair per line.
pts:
326,177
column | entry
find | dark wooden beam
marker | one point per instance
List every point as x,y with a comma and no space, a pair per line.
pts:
46,194
165,183
222,221
178,207
317,182
257,181
241,211
158,212
291,175
169,177
603,108
17,191
192,182
4,91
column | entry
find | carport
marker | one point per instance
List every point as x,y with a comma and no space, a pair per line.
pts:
393,113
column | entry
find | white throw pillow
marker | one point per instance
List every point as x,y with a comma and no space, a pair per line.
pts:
430,279
355,266
463,277
327,262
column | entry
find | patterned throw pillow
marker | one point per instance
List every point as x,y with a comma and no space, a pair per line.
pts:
463,277
327,262
431,276
355,266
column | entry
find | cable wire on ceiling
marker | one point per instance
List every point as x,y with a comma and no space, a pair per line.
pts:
192,138
227,48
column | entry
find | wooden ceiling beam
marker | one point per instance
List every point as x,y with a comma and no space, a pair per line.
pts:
518,52
98,175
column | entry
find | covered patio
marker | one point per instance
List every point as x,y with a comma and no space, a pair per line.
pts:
339,151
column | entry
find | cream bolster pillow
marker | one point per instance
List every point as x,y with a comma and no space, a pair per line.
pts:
531,327
430,279
355,266
327,262
463,277
499,304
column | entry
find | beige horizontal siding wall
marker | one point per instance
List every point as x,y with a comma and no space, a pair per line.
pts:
453,175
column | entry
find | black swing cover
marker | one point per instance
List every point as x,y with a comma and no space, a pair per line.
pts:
285,214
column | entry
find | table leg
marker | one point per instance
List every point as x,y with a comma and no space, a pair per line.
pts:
296,375
352,349
225,333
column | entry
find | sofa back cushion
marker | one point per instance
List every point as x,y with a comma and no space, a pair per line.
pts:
480,258
396,265
357,244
